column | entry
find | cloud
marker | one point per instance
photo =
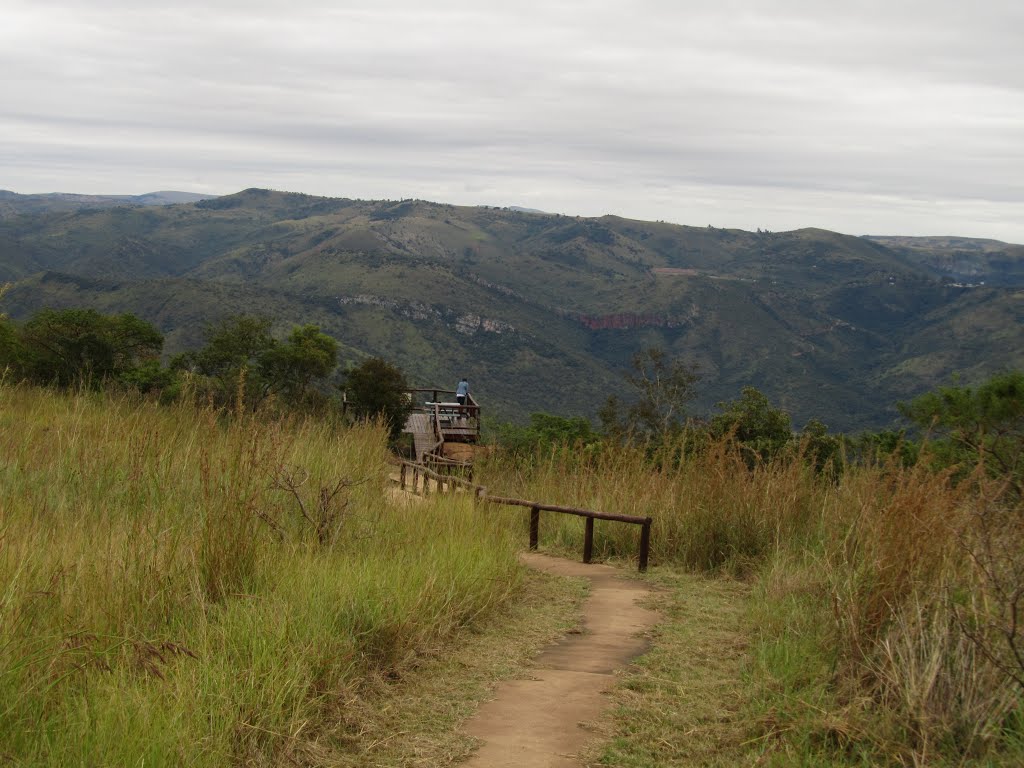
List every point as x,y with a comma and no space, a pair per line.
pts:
773,114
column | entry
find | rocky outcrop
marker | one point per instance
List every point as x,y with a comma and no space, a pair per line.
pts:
461,322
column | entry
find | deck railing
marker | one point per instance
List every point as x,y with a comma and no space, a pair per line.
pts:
419,471
471,406
459,418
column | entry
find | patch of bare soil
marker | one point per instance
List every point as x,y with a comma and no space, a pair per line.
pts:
546,719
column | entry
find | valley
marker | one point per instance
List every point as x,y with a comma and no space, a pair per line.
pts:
542,312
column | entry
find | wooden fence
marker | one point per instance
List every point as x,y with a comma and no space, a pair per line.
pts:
421,475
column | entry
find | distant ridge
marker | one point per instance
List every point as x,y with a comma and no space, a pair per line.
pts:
170,197
967,259
526,210
544,312
15,204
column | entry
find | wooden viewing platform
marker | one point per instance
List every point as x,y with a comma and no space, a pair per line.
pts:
438,419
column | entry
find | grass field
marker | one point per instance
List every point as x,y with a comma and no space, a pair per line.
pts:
185,587
884,623
181,588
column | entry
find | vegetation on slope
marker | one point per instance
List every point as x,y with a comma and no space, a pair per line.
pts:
543,310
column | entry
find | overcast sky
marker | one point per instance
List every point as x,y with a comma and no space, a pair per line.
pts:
895,117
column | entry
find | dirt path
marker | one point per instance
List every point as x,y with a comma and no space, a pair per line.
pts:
542,721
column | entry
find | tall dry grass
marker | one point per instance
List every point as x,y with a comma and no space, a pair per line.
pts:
889,600
166,599
709,510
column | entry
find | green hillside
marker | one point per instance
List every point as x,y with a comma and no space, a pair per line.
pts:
540,311
963,259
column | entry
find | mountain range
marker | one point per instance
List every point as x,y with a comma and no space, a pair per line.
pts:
542,312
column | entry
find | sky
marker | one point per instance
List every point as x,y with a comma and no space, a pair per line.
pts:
903,117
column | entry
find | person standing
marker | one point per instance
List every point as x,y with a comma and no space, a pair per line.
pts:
462,391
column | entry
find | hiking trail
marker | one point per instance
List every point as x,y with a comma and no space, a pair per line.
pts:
542,721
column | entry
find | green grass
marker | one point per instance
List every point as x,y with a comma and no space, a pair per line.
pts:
684,702
163,602
415,718
877,631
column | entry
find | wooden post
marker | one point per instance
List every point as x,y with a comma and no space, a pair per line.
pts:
415,480
588,540
645,544
534,527
404,467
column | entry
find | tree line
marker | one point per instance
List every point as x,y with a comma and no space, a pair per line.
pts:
958,428
242,364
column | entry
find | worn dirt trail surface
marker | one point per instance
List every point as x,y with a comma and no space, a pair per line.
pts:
540,722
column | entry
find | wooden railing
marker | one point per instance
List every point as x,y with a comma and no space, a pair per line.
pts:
438,463
471,409
419,471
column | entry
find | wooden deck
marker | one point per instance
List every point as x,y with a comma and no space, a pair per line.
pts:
422,434
433,423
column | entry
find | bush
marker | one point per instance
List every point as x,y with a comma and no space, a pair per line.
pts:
546,432
377,389
75,346
976,427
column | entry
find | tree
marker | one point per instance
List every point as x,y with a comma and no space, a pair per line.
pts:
882,446
546,431
292,368
72,346
11,350
664,388
976,426
233,342
242,359
750,420
609,415
822,450
228,358
375,388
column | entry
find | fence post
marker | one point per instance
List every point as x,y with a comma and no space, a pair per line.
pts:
416,480
534,527
645,544
588,540
404,467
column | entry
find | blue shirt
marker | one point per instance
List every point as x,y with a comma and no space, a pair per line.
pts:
463,389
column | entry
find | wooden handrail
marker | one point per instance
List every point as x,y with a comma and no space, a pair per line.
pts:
438,434
636,520
536,507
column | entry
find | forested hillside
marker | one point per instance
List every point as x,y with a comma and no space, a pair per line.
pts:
541,311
